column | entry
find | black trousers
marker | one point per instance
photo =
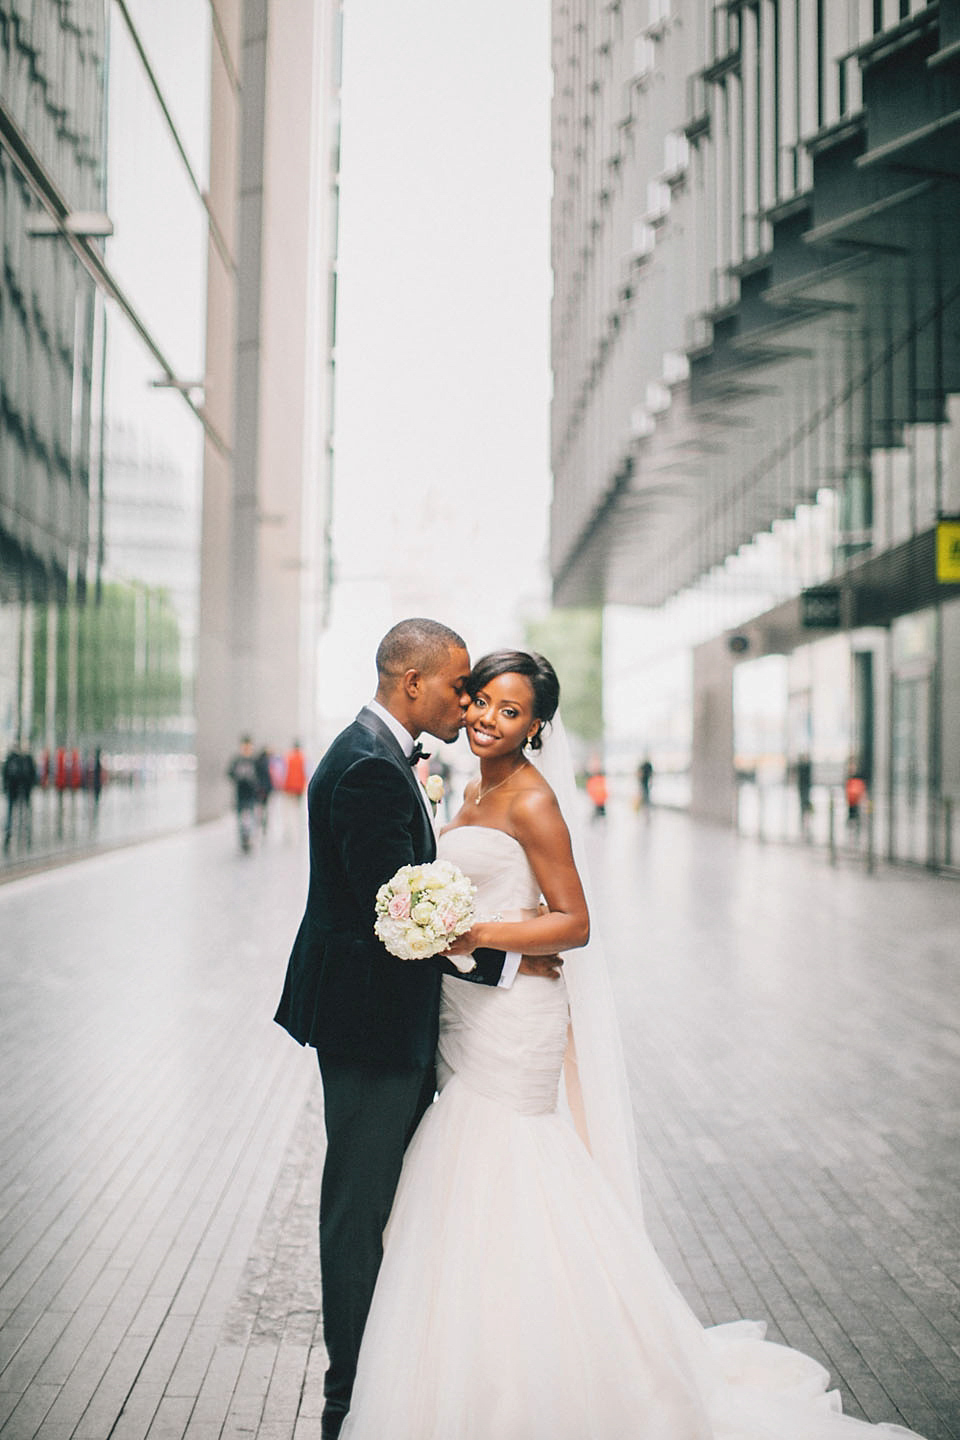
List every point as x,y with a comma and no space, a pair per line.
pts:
370,1116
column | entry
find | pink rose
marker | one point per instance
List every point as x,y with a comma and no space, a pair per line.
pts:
448,919
399,907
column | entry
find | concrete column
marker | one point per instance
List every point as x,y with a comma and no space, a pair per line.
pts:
293,339
266,504
713,794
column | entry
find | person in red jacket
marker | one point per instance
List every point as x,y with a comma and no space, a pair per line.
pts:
597,790
293,789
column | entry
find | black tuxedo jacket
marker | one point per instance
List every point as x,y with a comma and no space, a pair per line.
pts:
344,993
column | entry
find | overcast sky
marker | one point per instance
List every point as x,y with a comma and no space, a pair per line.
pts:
442,468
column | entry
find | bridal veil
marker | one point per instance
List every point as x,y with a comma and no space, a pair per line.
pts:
595,1065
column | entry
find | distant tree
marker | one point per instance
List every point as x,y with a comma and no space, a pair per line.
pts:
128,662
572,641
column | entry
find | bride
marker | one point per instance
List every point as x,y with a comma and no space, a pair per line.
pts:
519,1296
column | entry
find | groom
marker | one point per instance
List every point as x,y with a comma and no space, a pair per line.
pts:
373,1019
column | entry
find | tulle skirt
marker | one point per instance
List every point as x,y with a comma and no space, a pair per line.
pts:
520,1300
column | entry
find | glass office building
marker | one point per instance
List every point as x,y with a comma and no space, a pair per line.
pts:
756,350
121,183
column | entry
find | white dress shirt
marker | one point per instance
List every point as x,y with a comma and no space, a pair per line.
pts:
511,963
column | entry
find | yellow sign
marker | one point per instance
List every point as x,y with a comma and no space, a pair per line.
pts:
948,551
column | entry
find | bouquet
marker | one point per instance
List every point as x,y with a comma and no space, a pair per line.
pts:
423,908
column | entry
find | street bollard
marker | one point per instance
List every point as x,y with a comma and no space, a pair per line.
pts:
832,827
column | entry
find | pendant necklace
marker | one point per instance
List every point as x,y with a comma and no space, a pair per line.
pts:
481,793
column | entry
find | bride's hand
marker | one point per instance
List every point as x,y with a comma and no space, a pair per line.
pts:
464,944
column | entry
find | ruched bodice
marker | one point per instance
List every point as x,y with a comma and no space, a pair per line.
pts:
505,1044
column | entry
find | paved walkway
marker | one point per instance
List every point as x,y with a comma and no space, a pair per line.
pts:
794,1047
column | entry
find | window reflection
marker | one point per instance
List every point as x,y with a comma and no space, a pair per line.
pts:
100,471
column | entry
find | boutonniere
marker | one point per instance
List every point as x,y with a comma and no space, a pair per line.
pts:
434,789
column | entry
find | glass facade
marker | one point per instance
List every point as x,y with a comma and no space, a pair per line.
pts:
754,429
105,113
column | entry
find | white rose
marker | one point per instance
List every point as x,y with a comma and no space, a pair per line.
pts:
434,788
422,914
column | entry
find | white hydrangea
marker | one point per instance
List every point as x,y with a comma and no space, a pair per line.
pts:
423,908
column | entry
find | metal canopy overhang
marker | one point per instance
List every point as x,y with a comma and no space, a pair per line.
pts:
862,281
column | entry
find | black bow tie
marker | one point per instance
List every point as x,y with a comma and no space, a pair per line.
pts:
417,753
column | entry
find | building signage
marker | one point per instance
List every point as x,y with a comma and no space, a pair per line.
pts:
820,608
948,551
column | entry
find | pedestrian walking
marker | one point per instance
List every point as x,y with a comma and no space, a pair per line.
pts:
243,772
855,793
597,790
19,778
264,786
644,781
95,782
804,777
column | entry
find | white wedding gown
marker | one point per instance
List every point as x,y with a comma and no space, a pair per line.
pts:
519,1299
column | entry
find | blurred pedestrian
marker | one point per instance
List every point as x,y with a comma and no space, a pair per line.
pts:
804,776
264,786
243,772
293,788
19,778
597,790
855,793
644,781
95,781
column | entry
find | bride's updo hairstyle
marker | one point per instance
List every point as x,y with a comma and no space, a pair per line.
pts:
537,669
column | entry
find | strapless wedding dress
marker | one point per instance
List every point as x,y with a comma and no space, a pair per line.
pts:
518,1298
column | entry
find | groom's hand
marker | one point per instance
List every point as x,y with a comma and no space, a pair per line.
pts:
547,967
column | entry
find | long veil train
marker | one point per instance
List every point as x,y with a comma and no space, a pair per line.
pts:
595,1073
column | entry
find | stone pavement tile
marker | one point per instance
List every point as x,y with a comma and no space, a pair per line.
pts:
219,1384
171,1419
253,1382
311,1403
28,1413
111,1388
70,1399
150,1314
9,1400
194,1362
78,1327
286,1387
140,1406
53,1430
165,1350
33,1350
